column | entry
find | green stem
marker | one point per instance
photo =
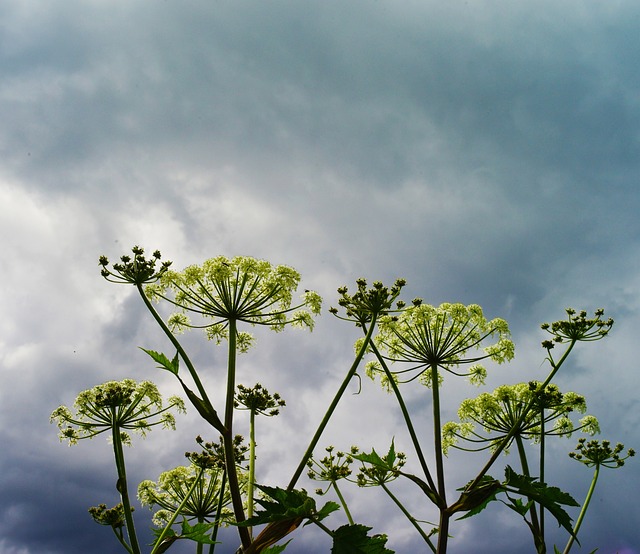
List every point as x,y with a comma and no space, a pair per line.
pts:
583,511
443,531
177,345
334,484
122,484
177,511
437,432
535,525
227,437
334,403
407,418
443,527
252,463
121,540
542,465
214,535
412,519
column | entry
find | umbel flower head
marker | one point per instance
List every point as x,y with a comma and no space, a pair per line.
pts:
487,419
173,486
577,327
111,517
122,405
332,468
237,289
257,400
212,454
136,269
367,303
425,337
600,453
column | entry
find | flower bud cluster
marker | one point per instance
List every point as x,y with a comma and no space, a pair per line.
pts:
601,453
212,454
332,468
366,303
136,270
577,327
258,400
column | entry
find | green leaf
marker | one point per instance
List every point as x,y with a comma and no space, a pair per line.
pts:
374,458
276,548
550,498
287,504
165,363
476,500
200,532
517,505
353,539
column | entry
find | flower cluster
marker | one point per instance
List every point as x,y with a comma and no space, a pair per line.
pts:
376,474
332,468
523,405
111,517
122,405
172,488
577,327
212,454
136,270
258,400
600,453
237,289
429,337
367,303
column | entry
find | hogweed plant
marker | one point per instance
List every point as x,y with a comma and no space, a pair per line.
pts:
117,408
404,344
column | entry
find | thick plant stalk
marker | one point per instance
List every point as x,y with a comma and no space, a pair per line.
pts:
227,438
122,486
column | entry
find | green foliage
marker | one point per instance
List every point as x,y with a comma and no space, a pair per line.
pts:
550,498
353,539
165,363
283,505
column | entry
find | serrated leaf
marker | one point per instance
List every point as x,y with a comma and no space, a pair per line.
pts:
282,504
374,458
353,539
165,363
327,509
518,506
550,498
200,532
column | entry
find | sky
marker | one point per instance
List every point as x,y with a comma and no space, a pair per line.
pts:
485,151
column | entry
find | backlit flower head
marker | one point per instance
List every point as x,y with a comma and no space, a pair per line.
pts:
173,486
136,269
425,336
126,404
486,420
239,289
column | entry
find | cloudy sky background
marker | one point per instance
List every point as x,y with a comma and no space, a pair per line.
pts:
486,151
